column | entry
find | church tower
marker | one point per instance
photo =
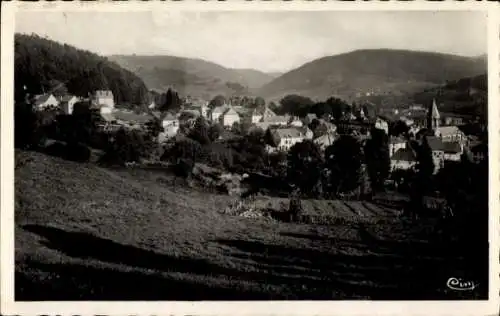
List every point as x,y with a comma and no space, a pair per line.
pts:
433,117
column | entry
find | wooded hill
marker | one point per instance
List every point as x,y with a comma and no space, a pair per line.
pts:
43,65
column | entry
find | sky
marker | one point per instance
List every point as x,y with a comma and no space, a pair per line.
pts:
266,41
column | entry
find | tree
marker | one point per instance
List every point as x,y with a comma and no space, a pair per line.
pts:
422,182
272,139
304,167
215,131
171,101
377,158
398,128
259,102
274,107
28,129
217,101
200,131
344,160
295,105
43,65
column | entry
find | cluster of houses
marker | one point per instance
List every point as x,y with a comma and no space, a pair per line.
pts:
442,134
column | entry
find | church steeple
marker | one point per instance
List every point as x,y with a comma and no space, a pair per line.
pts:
433,116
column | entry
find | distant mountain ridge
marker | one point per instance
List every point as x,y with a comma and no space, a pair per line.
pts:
192,76
375,71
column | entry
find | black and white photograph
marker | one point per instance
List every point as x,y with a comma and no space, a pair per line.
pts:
251,155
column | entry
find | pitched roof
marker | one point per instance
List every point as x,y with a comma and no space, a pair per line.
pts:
404,154
452,147
435,143
220,109
434,110
42,98
277,119
108,117
448,130
289,132
67,98
264,111
231,111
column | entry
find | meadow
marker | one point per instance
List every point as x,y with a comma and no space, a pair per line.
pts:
84,232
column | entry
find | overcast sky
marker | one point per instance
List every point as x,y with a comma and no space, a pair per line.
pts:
267,41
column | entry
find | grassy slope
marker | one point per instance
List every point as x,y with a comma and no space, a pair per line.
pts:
83,232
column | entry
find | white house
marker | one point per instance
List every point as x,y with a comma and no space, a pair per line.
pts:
204,110
288,137
450,134
230,117
217,112
104,97
296,122
277,120
382,124
396,143
43,101
67,103
170,124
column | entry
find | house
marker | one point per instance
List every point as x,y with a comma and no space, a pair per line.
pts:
67,103
43,101
451,134
229,117
288,137
261,114
456,119
382,124
452,151
437,148
277,120
296,122
170,124
204,110
403,158
103,108
104,97
217,112
396,143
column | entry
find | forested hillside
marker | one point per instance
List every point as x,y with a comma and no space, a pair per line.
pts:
42,65
375,71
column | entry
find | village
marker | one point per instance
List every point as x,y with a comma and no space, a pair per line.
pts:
442,131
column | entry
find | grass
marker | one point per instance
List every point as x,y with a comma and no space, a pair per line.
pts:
83,232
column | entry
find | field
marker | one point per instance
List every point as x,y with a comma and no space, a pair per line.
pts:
83,232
